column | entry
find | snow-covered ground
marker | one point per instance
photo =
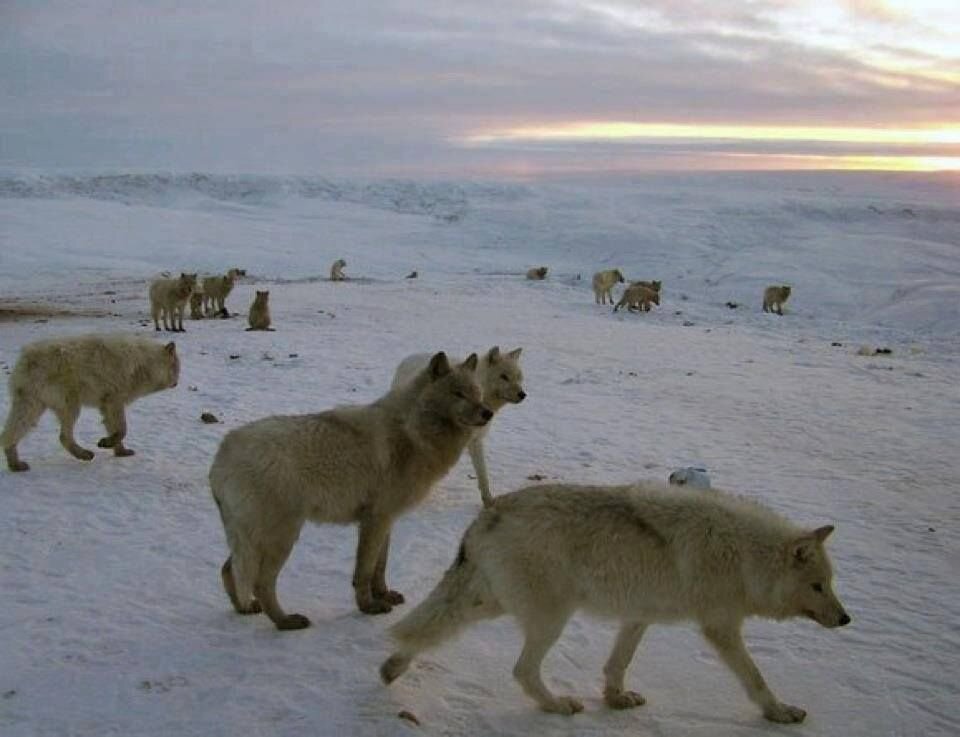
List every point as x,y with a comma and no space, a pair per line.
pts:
115,621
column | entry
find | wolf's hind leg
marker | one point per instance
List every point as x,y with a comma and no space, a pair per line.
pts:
68,414
25,411
623,649
541,632
372,535
729,645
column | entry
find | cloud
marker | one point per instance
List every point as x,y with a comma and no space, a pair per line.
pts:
247,84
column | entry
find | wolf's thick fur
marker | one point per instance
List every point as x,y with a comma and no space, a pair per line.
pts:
336,270
63,374
216,289
168,299
774,298
259,315
196,305
501,382
656,285
643,554
537,273
603,284
638,297
366,464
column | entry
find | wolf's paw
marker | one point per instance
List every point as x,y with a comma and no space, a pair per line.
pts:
374,606
391,597
394,667
566,705
293,622
83,454
122,452
784,714
18,466
623,699
107,442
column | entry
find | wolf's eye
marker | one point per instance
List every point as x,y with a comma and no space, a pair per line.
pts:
817,587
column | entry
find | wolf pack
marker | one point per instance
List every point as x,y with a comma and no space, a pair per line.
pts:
640,554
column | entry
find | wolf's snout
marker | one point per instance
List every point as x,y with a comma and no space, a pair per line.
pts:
486,414
844,619
521,396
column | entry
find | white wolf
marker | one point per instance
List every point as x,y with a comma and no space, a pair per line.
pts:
642,554
336,270
603,284
366,464
103,371
168,299
501,382
216,289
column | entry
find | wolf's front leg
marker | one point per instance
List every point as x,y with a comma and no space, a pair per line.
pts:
373,533
379,583
115,420
729,645
623,649
475,446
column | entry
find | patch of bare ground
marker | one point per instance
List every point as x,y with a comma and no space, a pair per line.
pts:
21,311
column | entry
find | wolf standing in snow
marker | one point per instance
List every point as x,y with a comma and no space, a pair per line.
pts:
366,464
603,284
336,270
168,299
637,297
774,298
216,289
501,382
103,371
642,554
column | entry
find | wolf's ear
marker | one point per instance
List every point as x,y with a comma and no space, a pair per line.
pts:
822,533
493,355
170,348
803,550
514,354
471,363
439,366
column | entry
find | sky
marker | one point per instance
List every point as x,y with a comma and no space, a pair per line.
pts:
500,87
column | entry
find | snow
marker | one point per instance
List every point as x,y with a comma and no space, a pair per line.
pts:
115,621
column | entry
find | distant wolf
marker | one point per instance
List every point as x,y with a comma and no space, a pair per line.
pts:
259,315
103,371
656,285
636,297
537,273
641,554
216,289
366,464
168,298
501,382
336,270
775,297
603,284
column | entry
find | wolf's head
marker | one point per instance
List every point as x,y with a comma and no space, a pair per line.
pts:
452,393
784,292
809,581
618,276
164,368
262,298
502,377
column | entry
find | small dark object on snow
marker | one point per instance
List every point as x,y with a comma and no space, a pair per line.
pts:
732,305
234,356
837,344
411,275
536,477
409,716
209,418
884,351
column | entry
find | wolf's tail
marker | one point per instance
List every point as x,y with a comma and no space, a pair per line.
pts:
462,597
